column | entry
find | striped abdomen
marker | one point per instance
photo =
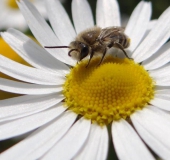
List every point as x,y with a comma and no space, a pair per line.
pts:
122,39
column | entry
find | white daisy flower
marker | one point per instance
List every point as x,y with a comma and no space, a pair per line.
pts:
71,109
10,15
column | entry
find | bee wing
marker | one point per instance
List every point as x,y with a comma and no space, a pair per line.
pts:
107,33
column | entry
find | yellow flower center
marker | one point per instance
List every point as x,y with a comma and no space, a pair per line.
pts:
7,51
12,4
111,91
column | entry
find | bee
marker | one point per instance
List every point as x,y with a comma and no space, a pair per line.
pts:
96,41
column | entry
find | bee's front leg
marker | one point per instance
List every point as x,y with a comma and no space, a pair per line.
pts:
104,53
91,56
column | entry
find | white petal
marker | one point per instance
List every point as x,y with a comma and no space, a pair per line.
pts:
127,143
96,147
30,51
26,105
154,128
60,21
29,74
138,24
43,32
107,13
162,88
72,142
162,99
161,103
40,141
151,24
155,39
11,18
160,58
29,123
26,88
40,7
82,15
161,75
162,91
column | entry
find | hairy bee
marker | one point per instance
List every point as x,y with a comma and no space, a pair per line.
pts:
96,41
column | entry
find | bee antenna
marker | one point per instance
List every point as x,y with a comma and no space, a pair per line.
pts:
71,51
56,47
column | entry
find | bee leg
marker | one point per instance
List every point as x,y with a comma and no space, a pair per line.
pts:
91,56
120,47
104,53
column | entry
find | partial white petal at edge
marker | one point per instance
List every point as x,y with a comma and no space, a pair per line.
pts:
82,15
23,125
127,143
96,147
72,142
40,141
153,125
107,13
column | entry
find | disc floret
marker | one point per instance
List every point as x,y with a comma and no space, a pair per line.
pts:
108,92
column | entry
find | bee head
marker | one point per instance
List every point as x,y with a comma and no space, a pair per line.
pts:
78,50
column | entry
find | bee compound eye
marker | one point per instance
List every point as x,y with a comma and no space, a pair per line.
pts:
84,52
